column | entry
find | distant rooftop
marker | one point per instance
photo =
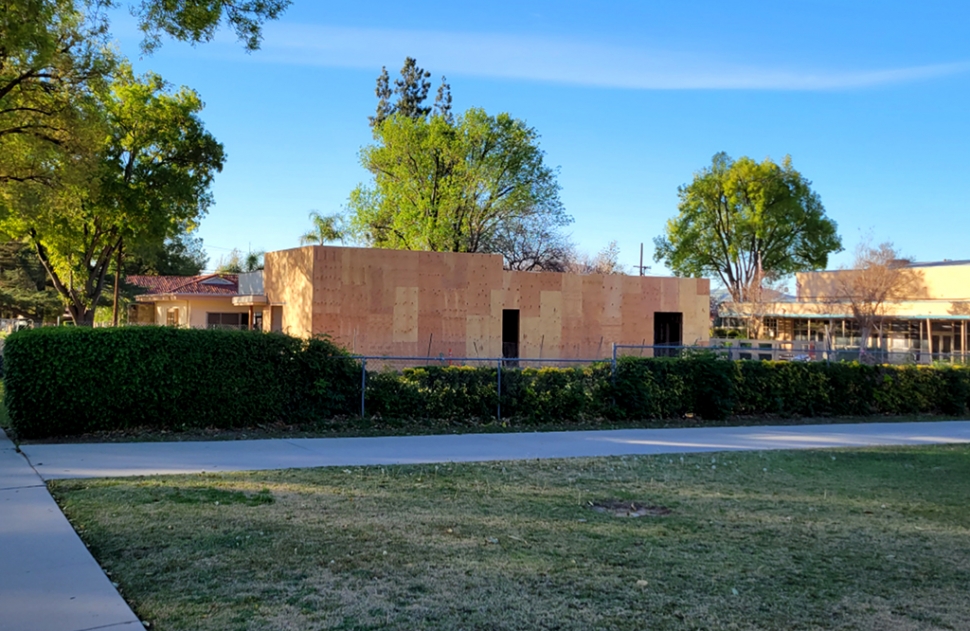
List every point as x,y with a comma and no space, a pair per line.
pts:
942,263
207,284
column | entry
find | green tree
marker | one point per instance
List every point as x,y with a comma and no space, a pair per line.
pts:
155,164
326,229
54,57
412,91
238,263
746,222
453,187
24,288
179,255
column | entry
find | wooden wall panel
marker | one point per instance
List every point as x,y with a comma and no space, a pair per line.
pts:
396,302
405,322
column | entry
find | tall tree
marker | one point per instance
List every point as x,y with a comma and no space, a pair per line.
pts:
745,222
412,91
155,164
453,187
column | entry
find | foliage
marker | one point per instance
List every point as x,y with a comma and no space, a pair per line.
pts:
606,261
197,21
879,278
453,187
238,263
472,184
155,165
412,91
67,381
532,245
55,56
746,222
24,291
326,229
52,58
63,129
179,255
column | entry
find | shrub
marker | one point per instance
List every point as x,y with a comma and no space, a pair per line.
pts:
67,381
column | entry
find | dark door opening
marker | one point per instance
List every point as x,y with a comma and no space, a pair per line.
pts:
668,330
510,333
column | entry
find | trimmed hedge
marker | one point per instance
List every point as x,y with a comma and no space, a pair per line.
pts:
67,381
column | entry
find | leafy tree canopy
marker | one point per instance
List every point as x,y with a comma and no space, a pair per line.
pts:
149,182
24,290
471,183
326,229
744,222
453,187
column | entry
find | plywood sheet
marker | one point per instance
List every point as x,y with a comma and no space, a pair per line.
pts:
405,314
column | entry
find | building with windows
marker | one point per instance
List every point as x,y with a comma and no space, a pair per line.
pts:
929,324
434,304
208,301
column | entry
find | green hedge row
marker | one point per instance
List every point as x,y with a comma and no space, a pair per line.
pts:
66,381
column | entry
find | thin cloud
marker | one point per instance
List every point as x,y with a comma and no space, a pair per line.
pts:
561,61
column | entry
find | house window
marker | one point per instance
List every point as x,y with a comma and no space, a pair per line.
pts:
227,320
172,318
769,329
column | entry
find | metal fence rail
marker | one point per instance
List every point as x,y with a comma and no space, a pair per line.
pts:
384,362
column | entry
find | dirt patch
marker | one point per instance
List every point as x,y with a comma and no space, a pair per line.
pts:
624,508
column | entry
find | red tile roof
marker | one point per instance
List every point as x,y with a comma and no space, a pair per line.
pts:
207,284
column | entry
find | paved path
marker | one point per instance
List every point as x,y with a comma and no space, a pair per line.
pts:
48,579
121,459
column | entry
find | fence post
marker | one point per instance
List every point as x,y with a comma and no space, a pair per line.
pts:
363,384
498,408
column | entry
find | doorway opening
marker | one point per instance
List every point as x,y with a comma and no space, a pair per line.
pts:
668,330
510,333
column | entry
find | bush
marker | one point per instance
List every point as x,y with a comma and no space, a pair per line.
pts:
68,381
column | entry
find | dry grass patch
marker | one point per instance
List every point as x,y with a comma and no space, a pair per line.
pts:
864,539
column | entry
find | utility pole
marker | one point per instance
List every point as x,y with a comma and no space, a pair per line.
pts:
641,267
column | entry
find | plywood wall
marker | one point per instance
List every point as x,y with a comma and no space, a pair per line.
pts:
392,302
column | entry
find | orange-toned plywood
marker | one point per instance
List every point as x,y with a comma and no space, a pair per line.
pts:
396,302
405,314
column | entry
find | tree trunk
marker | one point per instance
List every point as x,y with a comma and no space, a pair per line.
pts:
81,315
114,309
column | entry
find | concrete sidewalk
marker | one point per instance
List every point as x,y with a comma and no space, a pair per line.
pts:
48,579
122,459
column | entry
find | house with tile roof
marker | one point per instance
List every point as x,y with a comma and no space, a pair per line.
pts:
231,301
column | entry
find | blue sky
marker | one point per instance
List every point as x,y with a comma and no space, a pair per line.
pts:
630,99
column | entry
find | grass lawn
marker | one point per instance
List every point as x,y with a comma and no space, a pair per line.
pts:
843,539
